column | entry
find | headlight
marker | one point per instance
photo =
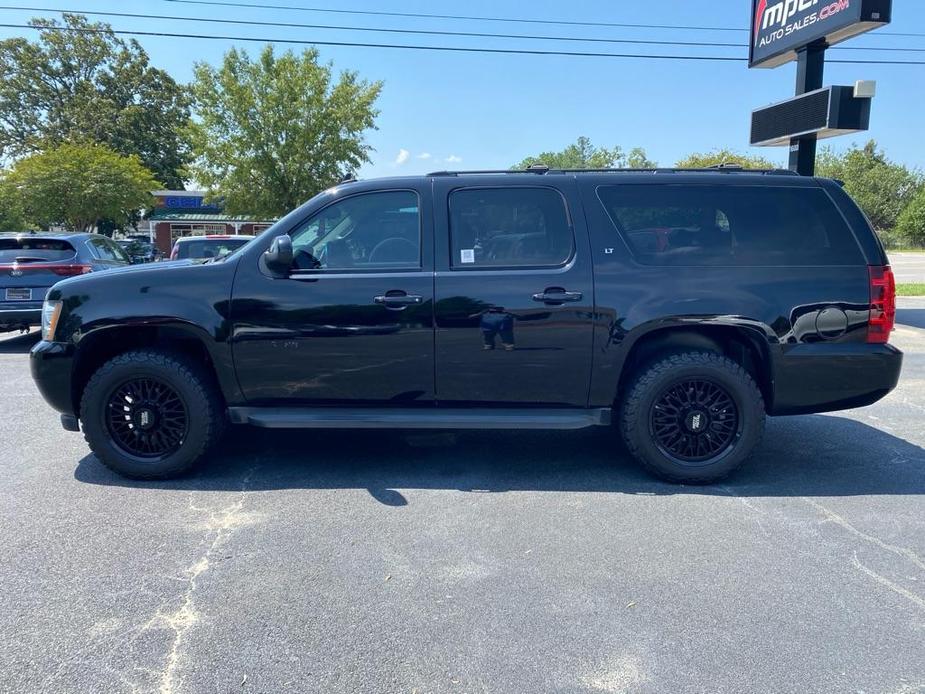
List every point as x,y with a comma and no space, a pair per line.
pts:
51,310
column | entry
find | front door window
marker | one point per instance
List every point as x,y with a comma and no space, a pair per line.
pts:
372,231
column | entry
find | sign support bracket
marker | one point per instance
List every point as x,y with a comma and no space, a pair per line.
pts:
810,70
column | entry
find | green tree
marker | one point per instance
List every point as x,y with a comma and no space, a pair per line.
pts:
911,222
703,160
79,82
880,186
11,216
583,155
75,185
272,132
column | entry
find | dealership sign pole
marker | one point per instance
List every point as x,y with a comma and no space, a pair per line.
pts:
786,30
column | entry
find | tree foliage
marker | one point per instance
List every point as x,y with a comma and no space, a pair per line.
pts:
11,216
911,222
881,187
703,160
79,82
582,154
272,132
75,185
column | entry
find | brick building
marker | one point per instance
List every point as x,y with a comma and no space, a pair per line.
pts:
179,213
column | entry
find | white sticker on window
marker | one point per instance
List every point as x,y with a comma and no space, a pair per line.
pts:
467,255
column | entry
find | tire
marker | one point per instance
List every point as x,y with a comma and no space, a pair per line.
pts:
692,417
184,412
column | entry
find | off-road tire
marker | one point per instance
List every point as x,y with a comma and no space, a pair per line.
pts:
652,383
206,418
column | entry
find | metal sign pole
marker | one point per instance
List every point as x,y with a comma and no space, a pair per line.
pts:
810,69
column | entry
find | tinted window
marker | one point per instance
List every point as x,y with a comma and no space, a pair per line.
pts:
133,247
208,248
33,250
102,250
509,227
117,251
730,225
368,231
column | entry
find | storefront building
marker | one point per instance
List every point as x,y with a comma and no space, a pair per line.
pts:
179,213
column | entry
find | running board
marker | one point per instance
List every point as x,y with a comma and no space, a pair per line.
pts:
436,418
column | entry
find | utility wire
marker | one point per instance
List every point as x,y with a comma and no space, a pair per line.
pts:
374,29
469,34
517,20
448,49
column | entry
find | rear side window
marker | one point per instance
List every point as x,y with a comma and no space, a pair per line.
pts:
730,225
101,249
32,250
509,227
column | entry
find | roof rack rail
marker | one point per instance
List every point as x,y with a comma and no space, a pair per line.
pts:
537,169
542,169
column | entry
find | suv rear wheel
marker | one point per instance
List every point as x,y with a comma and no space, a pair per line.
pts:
150,415
692,417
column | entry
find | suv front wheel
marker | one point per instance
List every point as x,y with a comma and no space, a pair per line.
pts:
150,415
692,417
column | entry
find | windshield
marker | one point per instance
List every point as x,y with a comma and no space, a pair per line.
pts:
209,248
34,250
135,247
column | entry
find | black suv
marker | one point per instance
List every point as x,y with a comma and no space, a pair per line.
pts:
681,306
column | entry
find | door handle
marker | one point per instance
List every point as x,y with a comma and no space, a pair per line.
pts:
557,295
398,301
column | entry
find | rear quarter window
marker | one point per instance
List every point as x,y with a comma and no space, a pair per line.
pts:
669,224
33,250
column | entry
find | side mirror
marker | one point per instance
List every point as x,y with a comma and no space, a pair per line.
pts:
278,258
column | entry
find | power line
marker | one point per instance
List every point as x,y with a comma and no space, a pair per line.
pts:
376,29
446,49
428,32
422,15
515,20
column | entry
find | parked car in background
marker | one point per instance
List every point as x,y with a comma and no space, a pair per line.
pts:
139,251
31,262
204,247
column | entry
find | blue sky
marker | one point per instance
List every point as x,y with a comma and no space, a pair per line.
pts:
454,110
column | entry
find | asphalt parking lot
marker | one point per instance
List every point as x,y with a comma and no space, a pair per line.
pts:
480,562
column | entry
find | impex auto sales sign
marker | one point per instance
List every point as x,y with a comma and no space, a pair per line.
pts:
780,27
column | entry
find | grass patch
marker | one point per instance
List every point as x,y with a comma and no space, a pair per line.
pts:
910,289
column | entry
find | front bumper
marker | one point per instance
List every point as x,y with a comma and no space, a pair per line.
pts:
51,365
20,317
822,377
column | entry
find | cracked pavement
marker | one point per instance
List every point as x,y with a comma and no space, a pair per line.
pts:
477,562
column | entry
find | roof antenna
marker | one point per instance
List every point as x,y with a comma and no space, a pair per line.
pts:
349,177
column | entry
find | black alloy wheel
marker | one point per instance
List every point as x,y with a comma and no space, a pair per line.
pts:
146,418
694,421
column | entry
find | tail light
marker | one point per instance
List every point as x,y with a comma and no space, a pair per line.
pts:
882,303
69,270
173,252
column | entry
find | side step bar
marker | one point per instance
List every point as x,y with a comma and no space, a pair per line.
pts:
436,418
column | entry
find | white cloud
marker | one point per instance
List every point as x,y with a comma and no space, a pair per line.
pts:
453,159
424,155
403,155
